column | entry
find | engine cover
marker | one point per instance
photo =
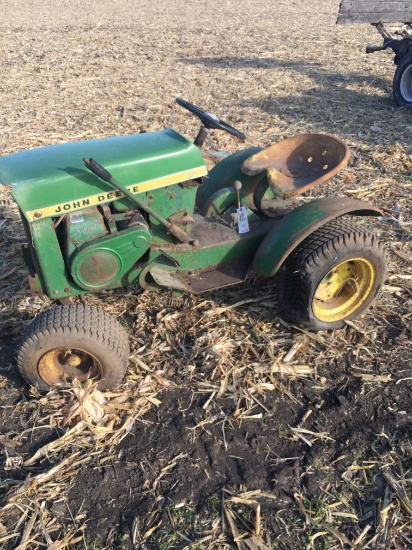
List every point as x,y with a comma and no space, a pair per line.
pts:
102,263
80,228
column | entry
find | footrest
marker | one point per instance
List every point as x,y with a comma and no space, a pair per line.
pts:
202,282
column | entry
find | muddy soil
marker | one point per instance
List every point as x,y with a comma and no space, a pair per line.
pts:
250,432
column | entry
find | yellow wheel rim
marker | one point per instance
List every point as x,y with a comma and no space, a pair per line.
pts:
60,365
343,290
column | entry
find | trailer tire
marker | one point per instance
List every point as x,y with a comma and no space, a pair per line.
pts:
73,341
332,276
402,82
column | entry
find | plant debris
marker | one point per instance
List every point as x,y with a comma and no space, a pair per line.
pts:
232,429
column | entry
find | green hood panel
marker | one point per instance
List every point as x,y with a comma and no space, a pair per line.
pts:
53,180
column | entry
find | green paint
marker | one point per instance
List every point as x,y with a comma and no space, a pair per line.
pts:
102,263
285,236
56,174
226,173
173,199
71,253
218,202
50,260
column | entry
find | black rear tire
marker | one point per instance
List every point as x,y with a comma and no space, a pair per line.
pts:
73,341
332,276
402,82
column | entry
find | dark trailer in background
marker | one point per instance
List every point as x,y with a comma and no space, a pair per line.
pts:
393,21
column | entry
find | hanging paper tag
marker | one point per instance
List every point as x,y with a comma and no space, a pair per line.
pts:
243,224
77,218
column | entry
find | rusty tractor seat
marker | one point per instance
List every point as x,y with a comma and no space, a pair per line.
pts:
299,163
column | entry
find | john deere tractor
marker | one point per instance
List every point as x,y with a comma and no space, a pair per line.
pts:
143,210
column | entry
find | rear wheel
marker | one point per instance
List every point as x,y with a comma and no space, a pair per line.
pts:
73,341
402,82
332,276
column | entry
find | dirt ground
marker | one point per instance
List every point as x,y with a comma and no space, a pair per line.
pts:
232,429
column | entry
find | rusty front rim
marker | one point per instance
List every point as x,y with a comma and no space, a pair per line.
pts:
343,290
60,365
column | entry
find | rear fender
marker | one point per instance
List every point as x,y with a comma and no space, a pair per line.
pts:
299,224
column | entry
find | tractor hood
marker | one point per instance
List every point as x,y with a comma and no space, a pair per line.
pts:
51,181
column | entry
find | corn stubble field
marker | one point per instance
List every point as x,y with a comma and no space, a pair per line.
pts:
232,429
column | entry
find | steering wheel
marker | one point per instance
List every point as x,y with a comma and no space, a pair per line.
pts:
209,120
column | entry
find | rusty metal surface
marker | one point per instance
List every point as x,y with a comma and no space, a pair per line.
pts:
211,233
230,273
36,288
219,256
62,364
183,220
103,262
167,277
80,228
297,164
227,275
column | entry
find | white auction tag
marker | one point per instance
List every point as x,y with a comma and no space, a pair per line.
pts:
77,218
243,224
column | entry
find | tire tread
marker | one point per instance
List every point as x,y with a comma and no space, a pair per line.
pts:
316,250
76,319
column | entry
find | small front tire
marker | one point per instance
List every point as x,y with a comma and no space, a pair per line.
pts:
332,276
73,341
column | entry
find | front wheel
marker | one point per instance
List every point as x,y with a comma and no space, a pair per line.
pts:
332,276
402,82
73,341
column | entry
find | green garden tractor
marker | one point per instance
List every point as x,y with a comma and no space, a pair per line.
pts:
143,210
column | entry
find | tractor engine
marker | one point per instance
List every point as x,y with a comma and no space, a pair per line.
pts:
100,247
